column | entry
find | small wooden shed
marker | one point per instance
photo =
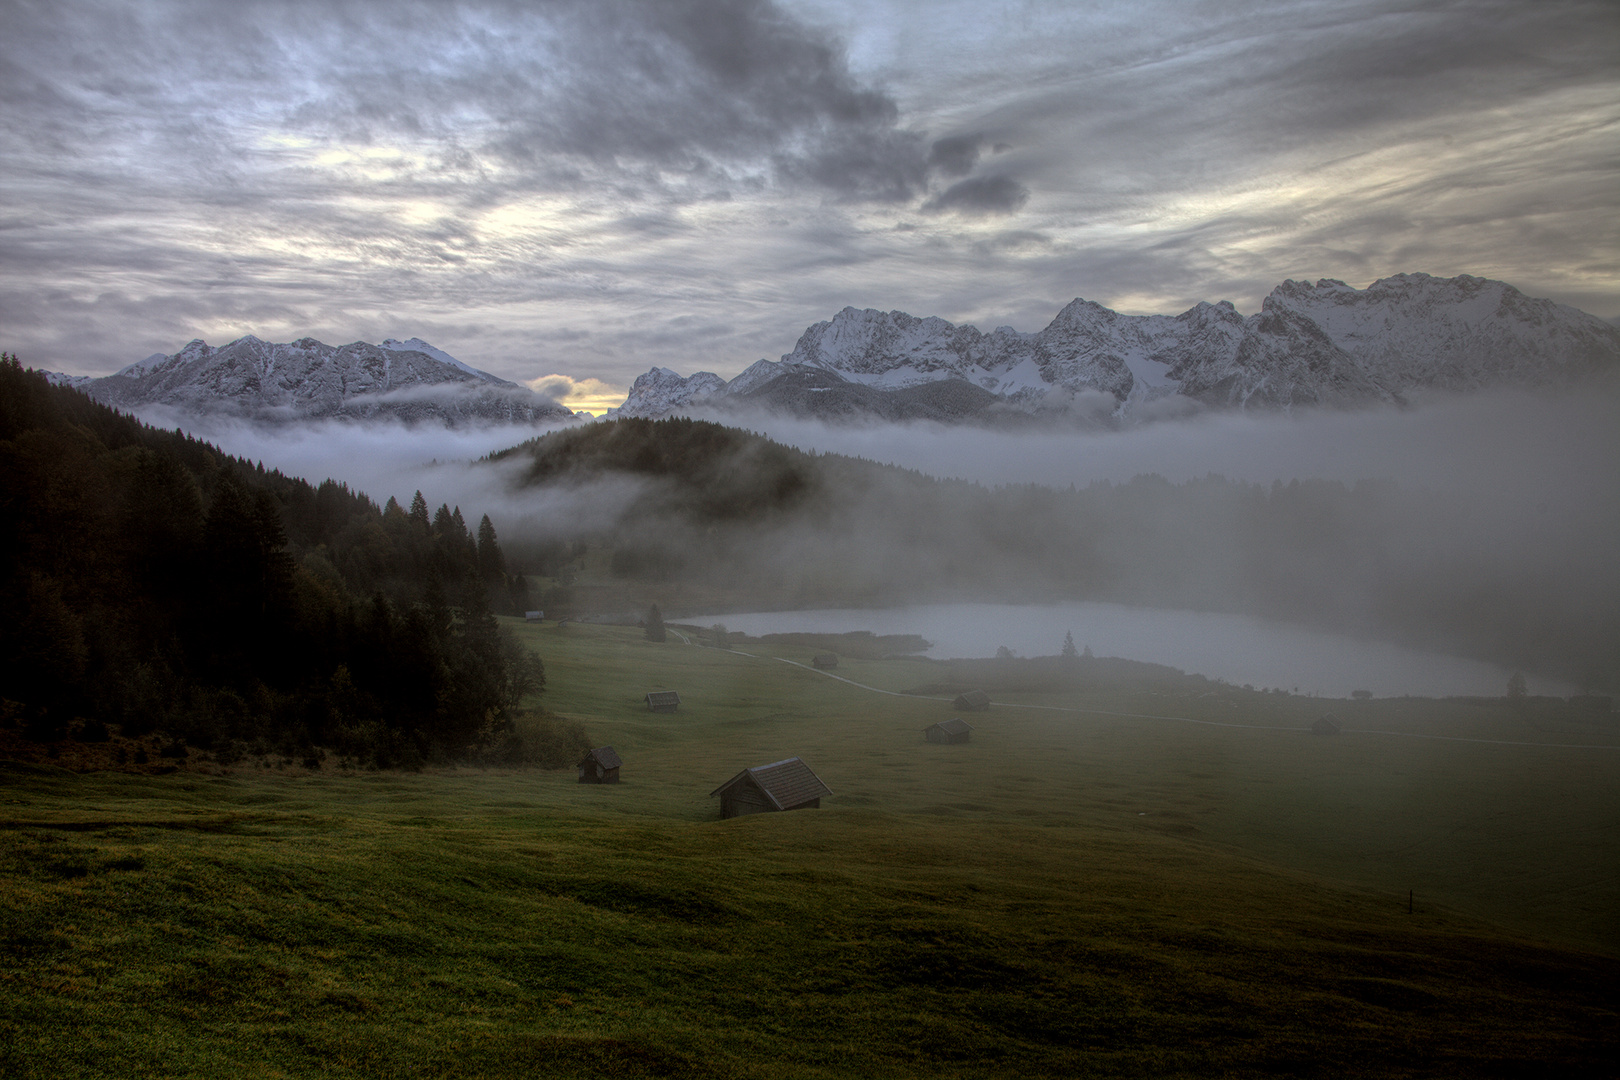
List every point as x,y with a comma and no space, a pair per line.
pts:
663,701
1326,724
600,766
534,616
954,730
782,785
972,701
825,660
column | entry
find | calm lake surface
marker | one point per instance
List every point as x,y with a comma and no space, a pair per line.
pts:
1237,648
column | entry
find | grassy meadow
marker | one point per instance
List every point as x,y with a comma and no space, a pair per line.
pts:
1070,894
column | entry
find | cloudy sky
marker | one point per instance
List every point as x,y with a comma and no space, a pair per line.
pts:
589,188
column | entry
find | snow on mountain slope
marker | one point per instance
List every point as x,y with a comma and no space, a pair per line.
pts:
305,379
662,391
1310,344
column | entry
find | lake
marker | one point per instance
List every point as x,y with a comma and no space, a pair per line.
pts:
1238,648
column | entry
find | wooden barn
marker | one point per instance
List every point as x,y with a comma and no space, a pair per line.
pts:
1326,724
824,661
663,701
781,785
954,730
972,701
534,616
600,766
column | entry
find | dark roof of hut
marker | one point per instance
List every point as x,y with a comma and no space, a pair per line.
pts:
954,726
663,697
786,783
974,697
605,756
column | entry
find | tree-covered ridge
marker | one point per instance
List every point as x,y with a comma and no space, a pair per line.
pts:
152,581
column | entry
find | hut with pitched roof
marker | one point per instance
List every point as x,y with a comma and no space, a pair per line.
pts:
663,701
600,766
825,661
954,730
782,785
1326,724
972,701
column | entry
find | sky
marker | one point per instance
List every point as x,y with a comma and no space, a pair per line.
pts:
570,192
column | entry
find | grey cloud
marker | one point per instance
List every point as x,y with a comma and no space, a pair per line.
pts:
718,86
980,196
956,155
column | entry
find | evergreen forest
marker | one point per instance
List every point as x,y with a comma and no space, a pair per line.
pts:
150,581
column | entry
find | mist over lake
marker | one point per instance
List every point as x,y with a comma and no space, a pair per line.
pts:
1237,648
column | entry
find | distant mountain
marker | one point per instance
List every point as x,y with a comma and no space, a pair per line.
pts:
1310,344
306,379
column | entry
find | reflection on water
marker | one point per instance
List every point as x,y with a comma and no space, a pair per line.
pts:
1237,648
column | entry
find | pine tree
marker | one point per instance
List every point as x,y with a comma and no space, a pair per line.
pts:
1069,652
419,511
491,563
655,624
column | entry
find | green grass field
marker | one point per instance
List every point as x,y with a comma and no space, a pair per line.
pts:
1071,893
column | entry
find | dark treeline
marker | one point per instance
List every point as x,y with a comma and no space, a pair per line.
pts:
733,510
153,582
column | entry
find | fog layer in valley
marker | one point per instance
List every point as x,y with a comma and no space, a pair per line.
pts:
1504,513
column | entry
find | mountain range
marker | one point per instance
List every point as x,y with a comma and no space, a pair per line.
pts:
1317,344
262,381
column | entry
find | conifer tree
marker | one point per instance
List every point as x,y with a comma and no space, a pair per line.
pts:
1069,652
491,563
655,624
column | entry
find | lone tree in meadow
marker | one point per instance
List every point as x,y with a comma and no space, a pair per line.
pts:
655,624
1069,651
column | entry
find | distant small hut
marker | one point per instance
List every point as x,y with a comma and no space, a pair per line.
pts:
1361,695
663,701
825,660
600,766
972,701
782,785
954,730
534,616
1326,724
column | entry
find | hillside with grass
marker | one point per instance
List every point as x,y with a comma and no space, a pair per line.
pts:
1132,877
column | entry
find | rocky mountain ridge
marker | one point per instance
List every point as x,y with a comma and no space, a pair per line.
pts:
1311,344
409,381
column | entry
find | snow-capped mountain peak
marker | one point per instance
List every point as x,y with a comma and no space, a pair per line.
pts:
1317,343
405,380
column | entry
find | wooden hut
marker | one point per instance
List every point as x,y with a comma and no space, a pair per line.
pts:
663,701
972,701
824,661
534,616
781,785
1361,695
1326,724
600,766
954,730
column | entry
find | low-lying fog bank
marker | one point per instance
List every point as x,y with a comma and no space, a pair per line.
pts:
1496,538
1236,648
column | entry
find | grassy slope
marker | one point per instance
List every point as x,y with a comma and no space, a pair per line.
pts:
1066,894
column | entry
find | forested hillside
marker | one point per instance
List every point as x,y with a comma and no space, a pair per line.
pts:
149,581
1443,570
